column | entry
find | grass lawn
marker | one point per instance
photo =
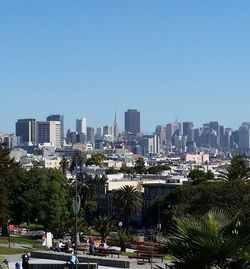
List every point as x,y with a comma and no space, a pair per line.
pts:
17,239
8,251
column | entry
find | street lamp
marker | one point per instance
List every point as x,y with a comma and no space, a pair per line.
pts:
8,229
76,209
36,226
159,217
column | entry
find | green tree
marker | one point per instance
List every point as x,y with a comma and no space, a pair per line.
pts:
87,192
157,169
196,200
127,200
44,195
111,170
199,176
216,240
104,225
238,169
9,171
127,170
78,159
122,239
96,159
140,166
64,165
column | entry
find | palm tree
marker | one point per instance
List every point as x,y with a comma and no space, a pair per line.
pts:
122,238
64,165
140,166
216,240
128,200
104,225
237,169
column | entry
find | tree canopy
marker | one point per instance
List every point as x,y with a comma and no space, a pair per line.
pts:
127,200
199,176
140,166
216,240
96,159
238,169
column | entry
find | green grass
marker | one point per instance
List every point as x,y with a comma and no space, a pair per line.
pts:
9,251
132,254
129,254
32,226
17,240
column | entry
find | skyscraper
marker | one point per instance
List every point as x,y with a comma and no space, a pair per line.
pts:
49,132
91,136
132,121
214,125
26,129
187,126
60,118
81,125
244,136
187,130
115,128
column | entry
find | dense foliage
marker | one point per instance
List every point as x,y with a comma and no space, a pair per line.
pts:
199,176
127,200
216,240
238,169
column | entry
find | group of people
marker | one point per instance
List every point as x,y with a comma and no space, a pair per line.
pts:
92,245
66,247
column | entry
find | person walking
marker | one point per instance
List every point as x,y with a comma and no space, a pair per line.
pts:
25,260
72,260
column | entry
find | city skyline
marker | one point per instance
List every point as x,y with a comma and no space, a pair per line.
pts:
183,125
184,60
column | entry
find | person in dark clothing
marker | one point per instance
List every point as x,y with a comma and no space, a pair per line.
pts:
25,260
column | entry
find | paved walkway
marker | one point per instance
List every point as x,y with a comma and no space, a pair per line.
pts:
133,263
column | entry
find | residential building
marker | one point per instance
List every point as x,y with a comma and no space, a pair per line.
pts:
199,158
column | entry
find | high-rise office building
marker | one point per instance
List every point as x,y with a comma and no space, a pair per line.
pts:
187,127
244,136
108,130
60,118
81,125
214,125
172,130
91,136
115,128
49,132
26,129
132,121
160,131
99,133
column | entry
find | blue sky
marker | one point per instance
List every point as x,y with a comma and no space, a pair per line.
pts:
169,59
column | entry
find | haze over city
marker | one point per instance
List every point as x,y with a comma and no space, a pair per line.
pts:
169,59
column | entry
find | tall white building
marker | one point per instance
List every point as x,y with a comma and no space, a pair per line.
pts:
81,125
108,130
115,128
49,132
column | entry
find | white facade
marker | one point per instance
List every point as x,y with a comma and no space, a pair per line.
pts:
53,164
49,132
81,125
197,158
